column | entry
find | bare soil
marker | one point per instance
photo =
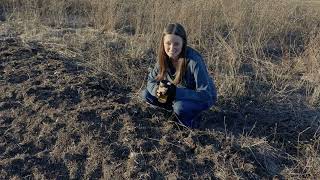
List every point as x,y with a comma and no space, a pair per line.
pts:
59,119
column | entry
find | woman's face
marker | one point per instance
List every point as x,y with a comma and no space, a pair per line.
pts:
172,45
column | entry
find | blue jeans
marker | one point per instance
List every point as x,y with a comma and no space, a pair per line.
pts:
186,111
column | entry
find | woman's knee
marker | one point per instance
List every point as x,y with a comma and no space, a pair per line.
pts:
147,97
144,94
181,108
188,107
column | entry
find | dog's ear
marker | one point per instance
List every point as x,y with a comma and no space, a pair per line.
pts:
171,92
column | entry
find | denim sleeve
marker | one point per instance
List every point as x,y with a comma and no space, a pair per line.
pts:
204,85
152,85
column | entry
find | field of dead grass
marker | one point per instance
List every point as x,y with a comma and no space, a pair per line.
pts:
71,73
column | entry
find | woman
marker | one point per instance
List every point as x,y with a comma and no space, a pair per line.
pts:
188,89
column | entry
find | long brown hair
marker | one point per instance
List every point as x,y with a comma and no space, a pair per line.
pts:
163,59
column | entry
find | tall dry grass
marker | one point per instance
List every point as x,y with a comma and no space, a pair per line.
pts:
266,51
236,37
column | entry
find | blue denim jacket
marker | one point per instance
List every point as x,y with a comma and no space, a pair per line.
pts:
197,84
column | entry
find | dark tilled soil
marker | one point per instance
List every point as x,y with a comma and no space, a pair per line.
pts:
60,120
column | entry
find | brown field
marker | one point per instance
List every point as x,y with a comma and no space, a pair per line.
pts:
71,73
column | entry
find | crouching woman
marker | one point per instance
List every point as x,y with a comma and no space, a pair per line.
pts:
179,80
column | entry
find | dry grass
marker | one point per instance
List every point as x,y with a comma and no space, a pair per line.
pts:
261,51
